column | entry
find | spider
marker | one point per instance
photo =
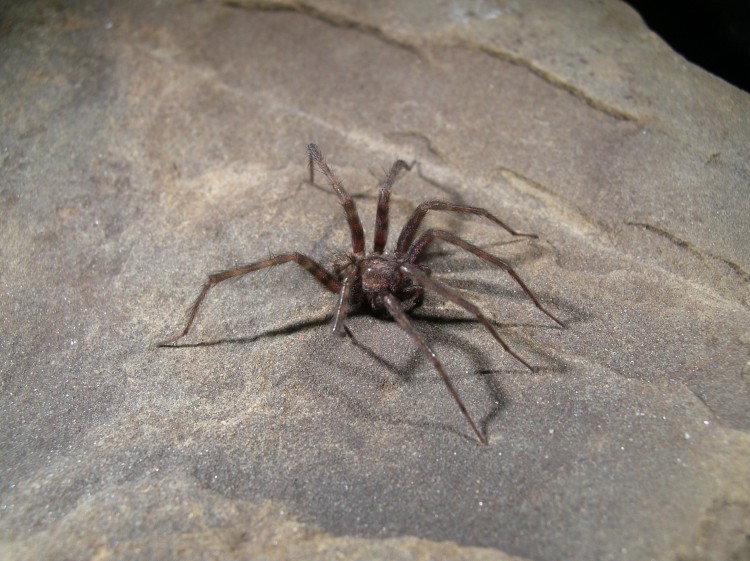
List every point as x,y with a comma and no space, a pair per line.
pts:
390,283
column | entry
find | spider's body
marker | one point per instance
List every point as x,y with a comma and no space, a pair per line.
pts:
376,275
380,274
385,282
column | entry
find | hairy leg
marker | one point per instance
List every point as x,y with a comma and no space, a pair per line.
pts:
344,297
321,275
381,216
421,245
315,157
420,277
393,307
410,228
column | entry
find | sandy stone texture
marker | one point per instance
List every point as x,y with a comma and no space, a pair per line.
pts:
145,144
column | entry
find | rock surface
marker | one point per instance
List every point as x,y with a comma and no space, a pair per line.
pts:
146,144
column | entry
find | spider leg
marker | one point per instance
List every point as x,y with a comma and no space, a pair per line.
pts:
315,157
419,247
414,272
343,307
410,228
381,216
321,275
392,305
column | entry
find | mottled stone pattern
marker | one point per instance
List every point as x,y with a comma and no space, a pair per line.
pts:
146,144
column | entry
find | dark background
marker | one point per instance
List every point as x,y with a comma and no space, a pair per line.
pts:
712,34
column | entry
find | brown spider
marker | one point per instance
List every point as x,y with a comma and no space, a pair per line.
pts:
381,280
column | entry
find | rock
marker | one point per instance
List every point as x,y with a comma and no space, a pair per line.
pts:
148,144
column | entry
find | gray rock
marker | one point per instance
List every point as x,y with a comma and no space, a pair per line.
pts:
146,144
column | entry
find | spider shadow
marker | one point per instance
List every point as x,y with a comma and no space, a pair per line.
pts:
491,378
417,356
472,288
483,371
485,366
289,329
502,287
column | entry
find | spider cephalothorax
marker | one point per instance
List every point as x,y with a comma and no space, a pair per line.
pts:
377,275
383,281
